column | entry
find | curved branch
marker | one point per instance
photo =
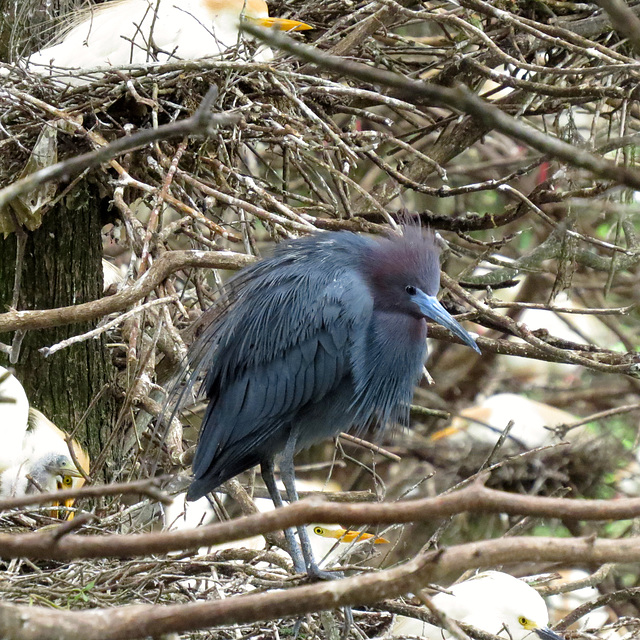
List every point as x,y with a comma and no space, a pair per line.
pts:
164,266
138,621
149,488
473,499
200,124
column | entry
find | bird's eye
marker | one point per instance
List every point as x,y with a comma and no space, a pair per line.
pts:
410,290
523,621
67,481
318,531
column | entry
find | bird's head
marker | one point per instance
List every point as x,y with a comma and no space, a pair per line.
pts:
508,607
404,274
336,532
254,11
525,620
54,472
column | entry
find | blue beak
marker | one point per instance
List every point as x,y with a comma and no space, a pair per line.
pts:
432,309
547,634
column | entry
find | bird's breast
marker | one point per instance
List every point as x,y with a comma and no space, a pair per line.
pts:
387,365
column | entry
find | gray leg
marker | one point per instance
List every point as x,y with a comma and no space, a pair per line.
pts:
287,473
266,470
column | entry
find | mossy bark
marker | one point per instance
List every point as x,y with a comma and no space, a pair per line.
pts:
61,267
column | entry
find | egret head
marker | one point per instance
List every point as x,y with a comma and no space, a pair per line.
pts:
336,532
504,605
53,472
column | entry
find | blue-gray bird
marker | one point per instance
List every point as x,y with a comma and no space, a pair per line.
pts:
328,335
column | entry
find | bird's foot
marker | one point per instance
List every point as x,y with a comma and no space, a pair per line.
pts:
315,573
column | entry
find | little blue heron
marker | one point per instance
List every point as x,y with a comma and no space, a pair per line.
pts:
328,335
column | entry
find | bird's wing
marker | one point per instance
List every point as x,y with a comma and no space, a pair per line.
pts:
277,350
14,411
43,438
405,626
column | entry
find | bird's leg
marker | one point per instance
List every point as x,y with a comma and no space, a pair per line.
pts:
287,473
268,476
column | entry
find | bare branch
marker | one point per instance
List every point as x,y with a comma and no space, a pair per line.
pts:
165,265
473,499
200,124
459,100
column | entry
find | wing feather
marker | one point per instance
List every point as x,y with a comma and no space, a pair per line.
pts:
275,352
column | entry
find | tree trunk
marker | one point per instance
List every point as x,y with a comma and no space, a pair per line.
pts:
62,266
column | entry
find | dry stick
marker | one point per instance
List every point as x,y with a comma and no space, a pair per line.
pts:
139,621
631,367
145,487
615,362
94,333
563,429
605,311
347,437
623,20
566,587
152,225
603,600
163,267
200,124
331,496
473,499
457,99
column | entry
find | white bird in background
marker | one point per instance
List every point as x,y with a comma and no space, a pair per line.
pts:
112,276
33,447
327,540
14,415
491,601
125,32
533,422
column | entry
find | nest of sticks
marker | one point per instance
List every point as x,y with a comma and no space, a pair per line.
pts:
321,150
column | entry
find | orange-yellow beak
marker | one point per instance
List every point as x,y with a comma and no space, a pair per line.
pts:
281,23
62,515
69,474
345,535
444,433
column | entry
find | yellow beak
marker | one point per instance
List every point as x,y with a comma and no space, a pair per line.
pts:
344,535
62,515
281,23
66,515
443,433
69,514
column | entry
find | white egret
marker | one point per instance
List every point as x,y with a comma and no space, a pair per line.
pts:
327,540
491,601
35,455
125,32
533,422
